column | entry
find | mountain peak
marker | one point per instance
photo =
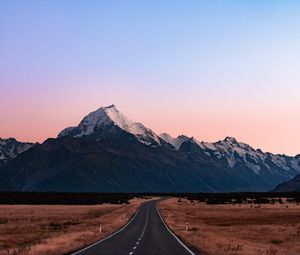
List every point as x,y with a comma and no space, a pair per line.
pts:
184,137
10,148
229,139
176,142
106,117
8,139
111,107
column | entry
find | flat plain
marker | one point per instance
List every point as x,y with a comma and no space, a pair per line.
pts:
59,229
237,229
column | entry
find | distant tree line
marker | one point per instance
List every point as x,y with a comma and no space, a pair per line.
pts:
243,197
60,198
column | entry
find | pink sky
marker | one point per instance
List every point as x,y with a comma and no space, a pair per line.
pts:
254,119
208,69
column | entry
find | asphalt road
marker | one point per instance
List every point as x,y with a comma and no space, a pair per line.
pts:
145,234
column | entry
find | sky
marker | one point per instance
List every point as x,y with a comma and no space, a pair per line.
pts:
207,69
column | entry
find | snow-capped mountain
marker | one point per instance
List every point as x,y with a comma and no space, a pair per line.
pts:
235,153
10,148
107,152
104,119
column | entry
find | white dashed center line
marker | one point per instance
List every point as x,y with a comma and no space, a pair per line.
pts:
137,243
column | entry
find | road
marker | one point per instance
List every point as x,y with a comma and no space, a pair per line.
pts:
145,234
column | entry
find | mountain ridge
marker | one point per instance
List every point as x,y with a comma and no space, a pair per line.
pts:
292,185
234,151
106,117
107,151
11,148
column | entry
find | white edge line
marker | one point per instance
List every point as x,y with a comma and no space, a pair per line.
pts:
184,246
111,235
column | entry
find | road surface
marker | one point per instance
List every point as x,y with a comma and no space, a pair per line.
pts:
145,234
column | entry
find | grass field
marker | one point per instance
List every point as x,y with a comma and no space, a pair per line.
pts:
271,229
58,229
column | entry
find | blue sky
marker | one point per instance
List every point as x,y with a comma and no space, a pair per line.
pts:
232,61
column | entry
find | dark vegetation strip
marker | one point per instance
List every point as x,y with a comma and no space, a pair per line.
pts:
57,198
243,197
39,198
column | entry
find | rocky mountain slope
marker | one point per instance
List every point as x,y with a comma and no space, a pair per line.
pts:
11,148
109,152
292,185
107,117
235,154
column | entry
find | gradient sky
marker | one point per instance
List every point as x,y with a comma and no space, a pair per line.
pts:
207,69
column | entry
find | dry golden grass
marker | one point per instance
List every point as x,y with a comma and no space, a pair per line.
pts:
57,229
235,229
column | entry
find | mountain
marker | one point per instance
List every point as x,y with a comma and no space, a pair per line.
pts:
112,165
104,119
237,156
175,142
289,186
11,148
292,185
107,152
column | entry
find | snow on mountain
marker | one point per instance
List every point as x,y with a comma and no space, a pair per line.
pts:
296,161
66,131
11,148
176,142
106,117
237,152
228,150
254,159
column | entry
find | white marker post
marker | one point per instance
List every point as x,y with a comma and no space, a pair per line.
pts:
187,227
100,229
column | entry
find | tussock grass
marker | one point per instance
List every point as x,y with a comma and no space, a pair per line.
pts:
58,229
236,229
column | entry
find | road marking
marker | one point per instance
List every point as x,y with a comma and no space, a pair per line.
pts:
145,226
183,245
146,221
113,234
